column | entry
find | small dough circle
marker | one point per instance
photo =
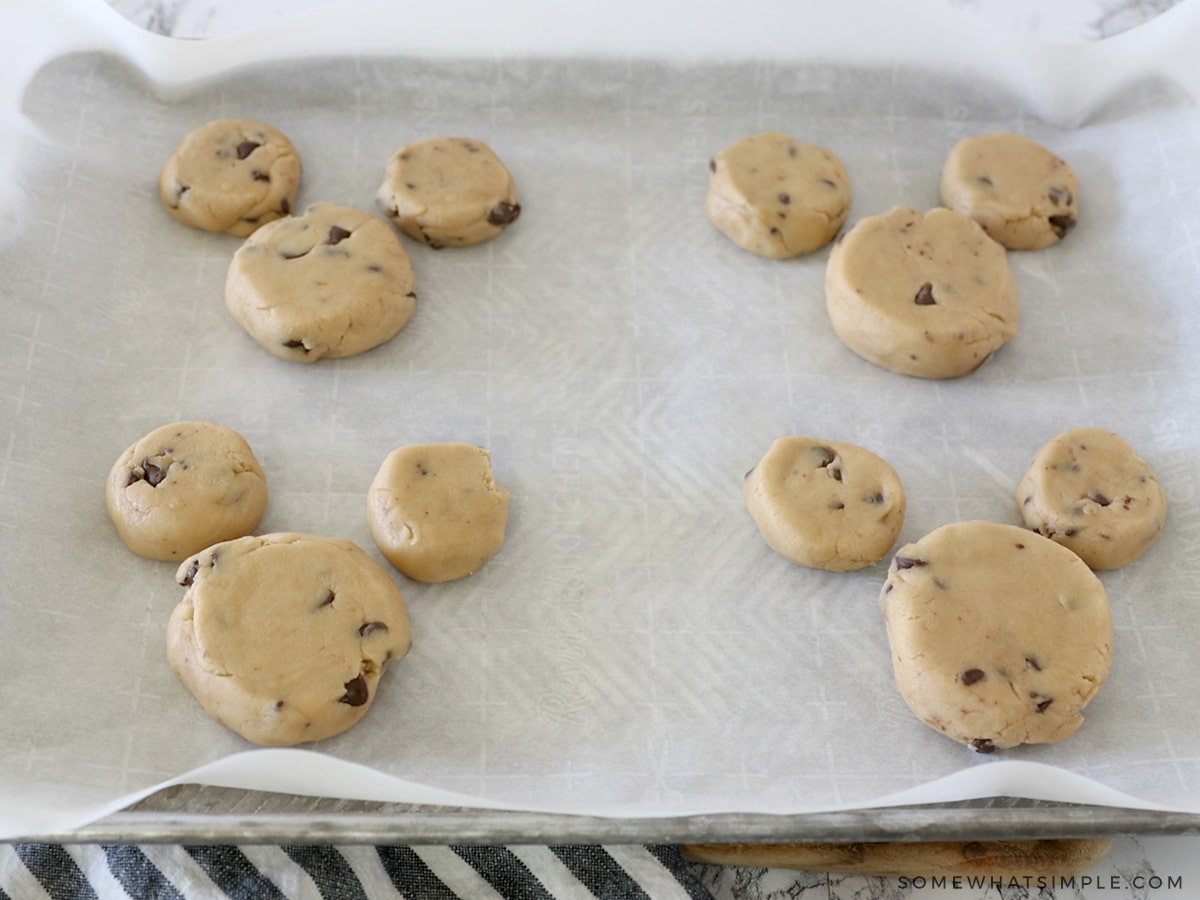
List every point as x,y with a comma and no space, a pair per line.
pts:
436,512
1088,490
231,175
927,295
283,638
999,636
331,282
448,192
777,197
1022,194
185,486
825,504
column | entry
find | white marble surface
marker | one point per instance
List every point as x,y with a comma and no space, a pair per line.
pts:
1137,868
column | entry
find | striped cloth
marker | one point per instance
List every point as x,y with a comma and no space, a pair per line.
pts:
178,872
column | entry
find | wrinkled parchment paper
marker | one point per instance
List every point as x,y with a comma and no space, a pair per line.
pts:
635,648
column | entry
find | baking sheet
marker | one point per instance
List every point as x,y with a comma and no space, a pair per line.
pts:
635,649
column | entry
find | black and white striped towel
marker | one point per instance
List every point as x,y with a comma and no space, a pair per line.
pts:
174,872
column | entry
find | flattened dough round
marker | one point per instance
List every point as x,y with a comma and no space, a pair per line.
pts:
231,175
1022,194
928,295
825,504
283,638
448,192
777,197
1088,490
999,636
436,512
185,486
332,282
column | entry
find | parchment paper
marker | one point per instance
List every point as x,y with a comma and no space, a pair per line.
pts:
635,648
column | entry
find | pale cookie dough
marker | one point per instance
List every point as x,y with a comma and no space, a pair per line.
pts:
283,638
231,175
825,504
928,295
448,192
332,282
436,512
1088,490
999,636
183,487
1023,195
777,197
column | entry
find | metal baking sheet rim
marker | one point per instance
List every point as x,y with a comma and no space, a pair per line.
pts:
198,814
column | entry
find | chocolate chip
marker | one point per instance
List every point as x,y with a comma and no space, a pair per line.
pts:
874,499
296,345
504,213
1061,225
1019,546
357,692
278,705
971,676
189,577
155,475
827,456
1059,196
985,181
375,267
288,254
981,745
1032,663
337,234
284,206
245,148
1098,497
792,151
370,628
712,165
925,295
837,504
905,562
1044,705
785,198
328,599
260,175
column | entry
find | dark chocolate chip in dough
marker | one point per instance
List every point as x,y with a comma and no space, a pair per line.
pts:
905,562
190,575
1032,663
985,181
504,213
260,175
1062,225
155,475
245,148
785,198
295,345
971,676
982,745
925,295
369,628
357,692
337,234
1044,704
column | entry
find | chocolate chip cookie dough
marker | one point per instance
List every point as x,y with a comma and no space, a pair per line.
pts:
448,192
436,511
777,197
231,175
999,636
1022,194
283,638
1088,490
825,504
331,282
928,295
185,486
